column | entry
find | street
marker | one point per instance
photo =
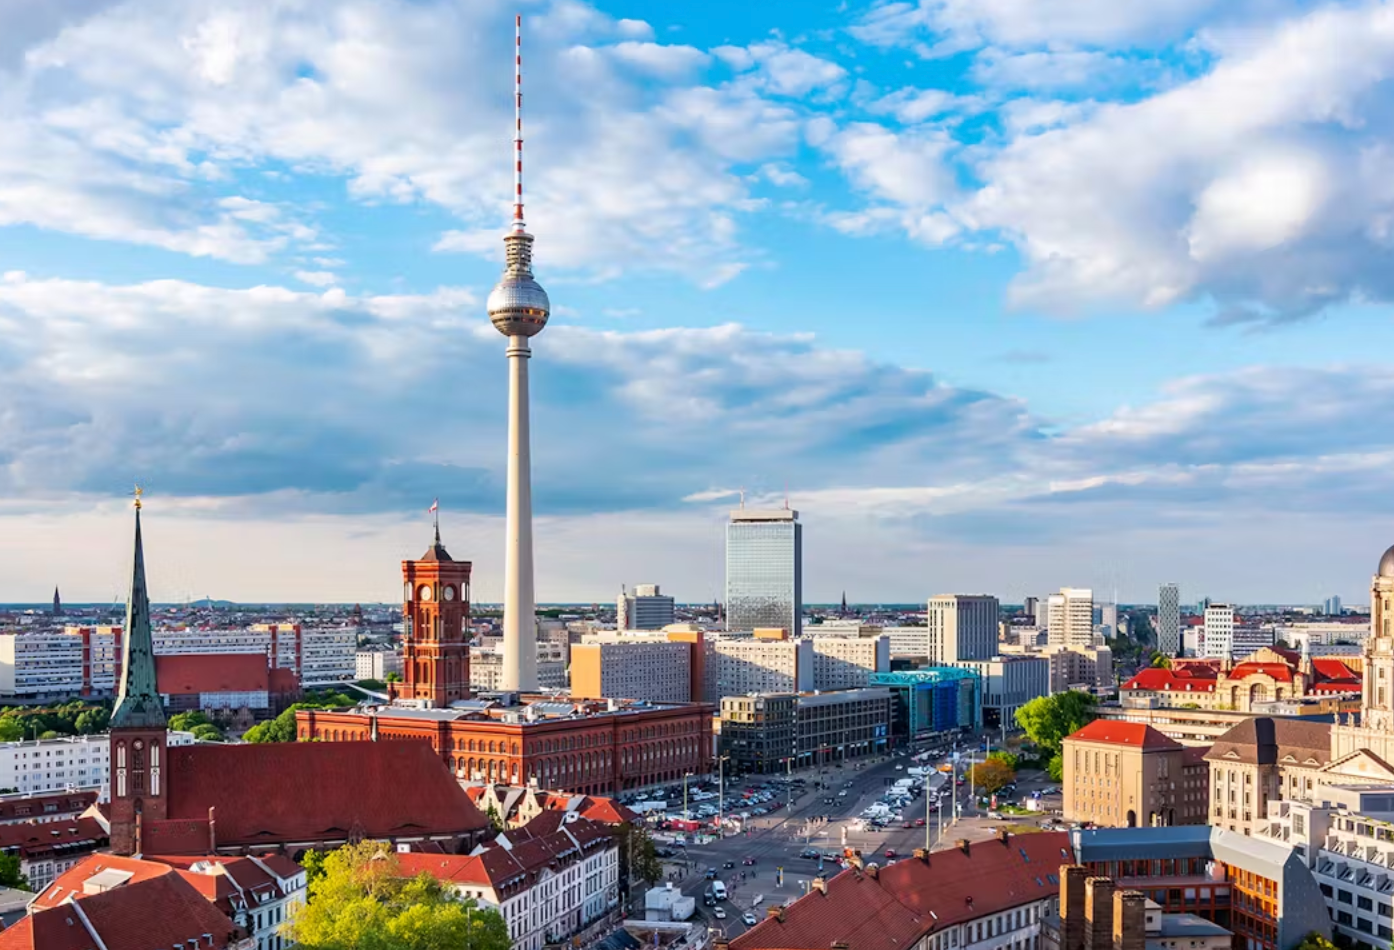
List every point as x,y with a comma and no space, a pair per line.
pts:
776,840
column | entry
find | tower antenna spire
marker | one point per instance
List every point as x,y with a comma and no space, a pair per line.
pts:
518,224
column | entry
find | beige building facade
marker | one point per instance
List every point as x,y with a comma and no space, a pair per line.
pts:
1128,775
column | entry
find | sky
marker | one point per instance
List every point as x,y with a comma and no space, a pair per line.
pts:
1002,295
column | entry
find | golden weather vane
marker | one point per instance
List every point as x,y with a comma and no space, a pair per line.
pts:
138,493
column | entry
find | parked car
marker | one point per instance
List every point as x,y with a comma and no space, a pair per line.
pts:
890,854
719,913
809,853
748,919
711,874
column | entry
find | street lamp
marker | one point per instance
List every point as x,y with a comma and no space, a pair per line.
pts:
685,777
721,796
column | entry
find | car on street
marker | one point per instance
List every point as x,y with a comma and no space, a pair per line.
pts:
809,853
711,874
919,822
890,854
747,861
842,794
748,919
719,913
728,864
899,767
908,825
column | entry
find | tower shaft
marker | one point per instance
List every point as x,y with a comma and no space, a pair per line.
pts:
519,605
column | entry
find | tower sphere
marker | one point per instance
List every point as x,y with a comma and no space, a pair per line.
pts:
518,306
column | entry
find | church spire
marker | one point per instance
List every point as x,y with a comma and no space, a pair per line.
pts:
138,701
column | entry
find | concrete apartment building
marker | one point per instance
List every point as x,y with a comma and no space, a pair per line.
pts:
55,765
768,662
1169,619
1008,683
656,669
486,667
1070,617
376,664
1219,631
849,662
1124,774
647,608
768,733
962,627
1071,666
764,570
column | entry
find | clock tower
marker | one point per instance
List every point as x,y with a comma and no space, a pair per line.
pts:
435,609
138,726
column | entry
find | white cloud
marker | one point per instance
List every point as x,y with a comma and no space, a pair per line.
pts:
316,278
912,106
665,61
784,70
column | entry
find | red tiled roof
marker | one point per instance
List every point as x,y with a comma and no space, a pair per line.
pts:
1136,734
41,837
69,883
184,674
911,898
31,807
318,791
160,910
1280,672
1331,668
1185,681
607,811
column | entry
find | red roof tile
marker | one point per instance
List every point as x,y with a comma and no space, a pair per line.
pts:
1280,672
1162,680
316,791
1136,734
69,883
184,674
159,910
31,807
1330,668
911,898
42,837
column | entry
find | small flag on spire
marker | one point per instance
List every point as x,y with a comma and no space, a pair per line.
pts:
435,506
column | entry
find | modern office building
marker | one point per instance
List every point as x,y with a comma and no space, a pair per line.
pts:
1008,683
910,642
1219,631
1088,668
1125,775
647,608
932,702
849,662
962,627
782,731
1331,606
1169,619
1251,638
487,664
1070,616
764,570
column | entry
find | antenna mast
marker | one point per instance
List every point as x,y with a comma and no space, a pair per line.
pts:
518,224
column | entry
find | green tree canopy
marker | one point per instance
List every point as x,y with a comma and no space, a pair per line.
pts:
638,857
1049,719
360,900
208,733
1315,941
187,721
394,677
1161,660
282,728
9,873
1009,759
11,730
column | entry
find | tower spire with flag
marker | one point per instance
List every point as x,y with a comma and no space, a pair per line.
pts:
435,516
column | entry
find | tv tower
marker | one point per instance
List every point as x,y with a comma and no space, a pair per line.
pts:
518,308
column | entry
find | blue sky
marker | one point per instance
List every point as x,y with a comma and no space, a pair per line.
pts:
1010,294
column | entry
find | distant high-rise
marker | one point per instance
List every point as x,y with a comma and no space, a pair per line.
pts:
1029,607
1070,617
1169,620
1042,612
1219,631
1108,616
1332,606
764,570
962,627
645,609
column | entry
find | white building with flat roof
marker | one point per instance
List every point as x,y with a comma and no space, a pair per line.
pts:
962,627
757,665
71,762
1070,616
1219,631
848,662
645,608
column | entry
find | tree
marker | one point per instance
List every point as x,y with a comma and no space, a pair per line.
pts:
1010,759
394,677
9,873
1055,768
1315,941
638,857
1161,661
1049,719
187,721
282,728
360,900
991,775
313,863
208,733
11,730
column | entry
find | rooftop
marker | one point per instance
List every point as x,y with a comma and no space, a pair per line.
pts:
1116,732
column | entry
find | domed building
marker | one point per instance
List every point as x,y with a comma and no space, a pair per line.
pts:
1375,732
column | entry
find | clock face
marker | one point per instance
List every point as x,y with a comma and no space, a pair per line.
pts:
449,593
406,592
425,592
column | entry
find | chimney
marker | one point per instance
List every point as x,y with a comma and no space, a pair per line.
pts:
820,885
962,845
1002,835
1129,920
1098,914
776,911
1072,878
921,854
212,831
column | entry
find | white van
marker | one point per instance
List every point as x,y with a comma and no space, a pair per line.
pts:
718,890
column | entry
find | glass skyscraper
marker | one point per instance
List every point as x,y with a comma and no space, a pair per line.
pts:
764,570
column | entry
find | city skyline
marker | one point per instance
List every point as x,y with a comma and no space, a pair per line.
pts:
256,283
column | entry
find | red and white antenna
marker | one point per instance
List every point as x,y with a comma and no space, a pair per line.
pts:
518,224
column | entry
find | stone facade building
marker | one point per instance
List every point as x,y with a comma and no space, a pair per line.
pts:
1124,774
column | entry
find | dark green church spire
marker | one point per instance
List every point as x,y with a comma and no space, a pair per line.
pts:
138,701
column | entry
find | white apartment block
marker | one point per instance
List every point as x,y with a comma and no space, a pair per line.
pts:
907,641
1072,667
83,661
848,662
1219,631
758,665
1008,683
1250,639
376,664
962,627
56,765
1320,633
1070,616
652,668
486,668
